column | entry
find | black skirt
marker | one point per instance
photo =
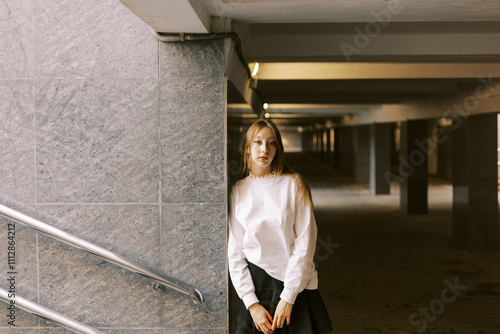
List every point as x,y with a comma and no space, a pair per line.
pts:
309,314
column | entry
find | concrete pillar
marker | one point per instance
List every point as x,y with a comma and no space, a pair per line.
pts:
193,93
329,152
380,158
234,142
314,143
475,194
444,154
432,146
347,150
413,163
311,144
362,154
337,139
325,144
128,152
304,141
309,141
321,144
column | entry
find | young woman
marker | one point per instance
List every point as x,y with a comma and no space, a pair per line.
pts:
272,241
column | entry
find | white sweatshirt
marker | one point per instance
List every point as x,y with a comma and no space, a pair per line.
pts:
271,229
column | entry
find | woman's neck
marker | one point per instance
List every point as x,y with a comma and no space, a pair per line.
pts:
258,172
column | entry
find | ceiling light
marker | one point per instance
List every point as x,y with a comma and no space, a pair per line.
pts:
266,115
255,69
265,106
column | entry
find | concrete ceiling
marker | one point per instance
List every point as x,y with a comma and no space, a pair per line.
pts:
462,34
308,51
309,11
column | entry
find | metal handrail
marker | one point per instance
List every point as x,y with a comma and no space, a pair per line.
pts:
43,312
69,239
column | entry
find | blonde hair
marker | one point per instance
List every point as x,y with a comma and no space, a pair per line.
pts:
278,165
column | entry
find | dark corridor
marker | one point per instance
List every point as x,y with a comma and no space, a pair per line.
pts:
382,271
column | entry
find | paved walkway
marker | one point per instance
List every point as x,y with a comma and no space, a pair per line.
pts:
384,272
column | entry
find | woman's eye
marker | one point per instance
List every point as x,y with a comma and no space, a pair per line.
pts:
272,143
257,142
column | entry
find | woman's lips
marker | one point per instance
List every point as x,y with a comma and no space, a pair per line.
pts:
263,158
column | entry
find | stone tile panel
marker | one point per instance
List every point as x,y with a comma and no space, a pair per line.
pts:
132,231
17,154
192,145
92,38
93,291
193,250
16,44
192,59
97,141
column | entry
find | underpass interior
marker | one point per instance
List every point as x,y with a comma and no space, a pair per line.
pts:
382,270
122,124
389,109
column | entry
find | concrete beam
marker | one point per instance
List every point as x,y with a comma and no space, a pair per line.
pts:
372,42
483,99
238,74
170,16
363,71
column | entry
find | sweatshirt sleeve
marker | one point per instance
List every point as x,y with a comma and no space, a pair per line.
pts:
238,266
300,264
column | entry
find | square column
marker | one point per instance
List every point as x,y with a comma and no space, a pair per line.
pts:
336,147
329,152
380,158
307,143
193,188
310,142
317,143
362,154
346,150
413,167
475,193
322,153
445,155
304,141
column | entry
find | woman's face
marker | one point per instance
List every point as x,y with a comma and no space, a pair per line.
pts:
262,152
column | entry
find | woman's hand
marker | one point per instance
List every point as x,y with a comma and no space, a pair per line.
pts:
261,318
283,312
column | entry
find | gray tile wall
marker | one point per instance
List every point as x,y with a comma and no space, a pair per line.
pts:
120,140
